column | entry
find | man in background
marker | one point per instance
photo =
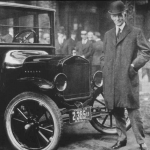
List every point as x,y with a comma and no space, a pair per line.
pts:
60,40
90,36
46,38
70,44
8,38
98,52
84,47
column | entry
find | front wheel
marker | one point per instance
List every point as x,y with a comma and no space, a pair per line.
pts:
105,122
33,121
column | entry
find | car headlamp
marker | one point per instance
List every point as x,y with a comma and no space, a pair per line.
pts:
98,79
60,81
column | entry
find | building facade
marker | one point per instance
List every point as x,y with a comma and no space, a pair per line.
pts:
93,15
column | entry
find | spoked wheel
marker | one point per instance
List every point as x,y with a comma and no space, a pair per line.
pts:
105,122
33,121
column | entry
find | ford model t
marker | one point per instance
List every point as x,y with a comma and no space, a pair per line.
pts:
41,91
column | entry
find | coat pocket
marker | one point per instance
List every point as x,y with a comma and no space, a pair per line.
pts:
132,73
133,76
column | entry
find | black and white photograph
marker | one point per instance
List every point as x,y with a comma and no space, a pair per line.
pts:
74,75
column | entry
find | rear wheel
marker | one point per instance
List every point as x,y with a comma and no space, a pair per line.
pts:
33,121
105,122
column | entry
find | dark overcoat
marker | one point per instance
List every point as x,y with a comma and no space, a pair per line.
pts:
59,47
85,49
120,89
98,49
69,45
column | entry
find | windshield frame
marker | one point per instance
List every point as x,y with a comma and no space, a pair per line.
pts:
37,10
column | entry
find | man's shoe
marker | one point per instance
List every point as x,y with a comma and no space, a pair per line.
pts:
143,146
119,144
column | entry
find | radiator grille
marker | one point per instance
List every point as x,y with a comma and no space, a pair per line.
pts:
78,80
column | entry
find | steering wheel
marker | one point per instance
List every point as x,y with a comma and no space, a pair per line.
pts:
25,38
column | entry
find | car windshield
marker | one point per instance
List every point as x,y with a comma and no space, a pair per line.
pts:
25,26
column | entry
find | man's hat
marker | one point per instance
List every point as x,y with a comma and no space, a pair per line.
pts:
97,34
61,30
83,32
116,7
73,32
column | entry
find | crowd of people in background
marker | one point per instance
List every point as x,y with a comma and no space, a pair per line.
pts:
90,46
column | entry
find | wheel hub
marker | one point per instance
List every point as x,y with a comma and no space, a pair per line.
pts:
28,126
32,123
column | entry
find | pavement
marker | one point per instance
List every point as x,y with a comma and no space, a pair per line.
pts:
145,86
83,136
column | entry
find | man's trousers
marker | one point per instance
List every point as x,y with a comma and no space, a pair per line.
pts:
136,123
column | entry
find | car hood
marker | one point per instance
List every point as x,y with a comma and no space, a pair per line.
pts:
19,57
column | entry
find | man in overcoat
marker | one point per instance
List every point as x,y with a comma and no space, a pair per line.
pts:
125,52
70,44
84,47
97,54
60,40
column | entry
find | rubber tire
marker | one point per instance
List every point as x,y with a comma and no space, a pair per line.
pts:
49,104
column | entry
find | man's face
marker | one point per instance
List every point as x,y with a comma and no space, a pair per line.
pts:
118,19
84,36
46,37
90,35
95,37
73,36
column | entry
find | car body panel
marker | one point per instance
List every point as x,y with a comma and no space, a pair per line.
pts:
33,66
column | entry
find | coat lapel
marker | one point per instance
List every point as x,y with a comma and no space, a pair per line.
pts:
84,46
125,32
113,36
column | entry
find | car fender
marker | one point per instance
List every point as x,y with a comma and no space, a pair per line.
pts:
39,82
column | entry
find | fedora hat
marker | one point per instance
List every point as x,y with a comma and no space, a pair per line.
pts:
116,7
83,32
61,30
73,32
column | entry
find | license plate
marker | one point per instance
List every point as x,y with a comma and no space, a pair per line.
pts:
79,115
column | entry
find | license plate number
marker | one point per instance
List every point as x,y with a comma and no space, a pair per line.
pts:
79,115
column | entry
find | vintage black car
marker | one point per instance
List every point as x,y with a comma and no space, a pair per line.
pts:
41,91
